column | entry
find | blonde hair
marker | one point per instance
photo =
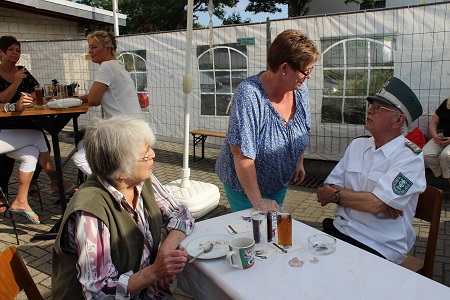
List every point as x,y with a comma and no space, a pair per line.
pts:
106,39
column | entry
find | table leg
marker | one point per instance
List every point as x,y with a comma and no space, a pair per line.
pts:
54,126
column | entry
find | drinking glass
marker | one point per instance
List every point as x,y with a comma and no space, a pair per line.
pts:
38,93
284,226
259,222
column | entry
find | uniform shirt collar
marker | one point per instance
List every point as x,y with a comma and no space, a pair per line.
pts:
387,148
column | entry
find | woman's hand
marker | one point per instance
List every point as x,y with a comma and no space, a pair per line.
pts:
300,172
169,262
441,141
24,101
20,75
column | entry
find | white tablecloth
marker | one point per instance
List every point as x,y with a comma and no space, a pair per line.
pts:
348,273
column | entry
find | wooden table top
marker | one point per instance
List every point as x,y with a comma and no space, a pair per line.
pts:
35,111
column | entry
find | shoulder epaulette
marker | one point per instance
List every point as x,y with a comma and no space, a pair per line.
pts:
362,136
416,149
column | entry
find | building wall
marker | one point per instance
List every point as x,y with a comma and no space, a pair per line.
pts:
28,26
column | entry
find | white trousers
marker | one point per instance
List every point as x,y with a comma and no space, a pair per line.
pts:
79,159
437,158
23,145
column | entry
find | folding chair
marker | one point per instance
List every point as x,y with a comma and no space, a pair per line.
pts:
8,209
14,277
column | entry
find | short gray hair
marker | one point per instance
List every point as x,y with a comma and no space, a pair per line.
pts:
113,145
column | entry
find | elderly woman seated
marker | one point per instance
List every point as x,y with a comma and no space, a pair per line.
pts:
109,243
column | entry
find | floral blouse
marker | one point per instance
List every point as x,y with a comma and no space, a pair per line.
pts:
88,238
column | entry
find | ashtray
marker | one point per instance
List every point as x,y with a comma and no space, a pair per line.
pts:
321,244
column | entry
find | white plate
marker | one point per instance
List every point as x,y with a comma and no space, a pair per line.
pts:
220,246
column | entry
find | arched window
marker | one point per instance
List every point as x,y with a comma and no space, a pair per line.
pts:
352,70
136,65
220,74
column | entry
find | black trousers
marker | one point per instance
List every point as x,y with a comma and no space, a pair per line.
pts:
328,227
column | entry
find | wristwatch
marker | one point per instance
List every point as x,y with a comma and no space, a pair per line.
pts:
336,198
12,107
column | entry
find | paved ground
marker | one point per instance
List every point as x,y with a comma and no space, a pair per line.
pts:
168,163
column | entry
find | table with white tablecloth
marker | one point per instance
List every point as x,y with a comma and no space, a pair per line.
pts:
348,273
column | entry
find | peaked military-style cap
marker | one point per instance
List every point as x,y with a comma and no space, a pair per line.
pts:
395,92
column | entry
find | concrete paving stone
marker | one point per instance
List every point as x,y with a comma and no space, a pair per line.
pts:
168,164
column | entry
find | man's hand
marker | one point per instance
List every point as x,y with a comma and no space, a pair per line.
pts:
325,194
390,212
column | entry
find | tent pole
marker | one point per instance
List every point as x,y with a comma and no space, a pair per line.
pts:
187,88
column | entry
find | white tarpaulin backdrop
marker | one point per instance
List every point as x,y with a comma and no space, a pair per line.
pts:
421,36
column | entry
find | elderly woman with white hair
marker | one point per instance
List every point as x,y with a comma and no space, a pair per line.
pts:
109,243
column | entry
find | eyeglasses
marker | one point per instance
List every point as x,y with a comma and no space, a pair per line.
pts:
146,158
307,72
378,108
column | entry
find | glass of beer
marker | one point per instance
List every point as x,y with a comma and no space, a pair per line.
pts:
38,93
284,226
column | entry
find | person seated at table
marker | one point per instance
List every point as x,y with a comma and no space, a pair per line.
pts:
109,243
29,147
436,152
113,87
15,80
377,183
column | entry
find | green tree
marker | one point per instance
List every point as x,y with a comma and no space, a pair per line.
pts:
235,18
157,15
162,15
296,8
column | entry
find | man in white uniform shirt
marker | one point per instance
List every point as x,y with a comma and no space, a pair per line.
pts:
377,183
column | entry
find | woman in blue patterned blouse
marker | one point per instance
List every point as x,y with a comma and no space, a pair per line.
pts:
269,125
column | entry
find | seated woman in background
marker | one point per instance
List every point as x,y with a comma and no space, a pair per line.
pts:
113,87
436,152
29,147
109,243
15,80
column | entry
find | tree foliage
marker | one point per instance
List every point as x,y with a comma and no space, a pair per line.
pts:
296,8
162,15
159,15
235,18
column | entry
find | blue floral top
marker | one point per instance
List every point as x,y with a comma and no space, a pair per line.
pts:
258,129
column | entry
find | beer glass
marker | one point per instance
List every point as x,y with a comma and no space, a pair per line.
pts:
38,93
284,226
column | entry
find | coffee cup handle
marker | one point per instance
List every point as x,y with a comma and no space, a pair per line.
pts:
229,255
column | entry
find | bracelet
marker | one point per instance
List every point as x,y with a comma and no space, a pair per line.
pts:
6,107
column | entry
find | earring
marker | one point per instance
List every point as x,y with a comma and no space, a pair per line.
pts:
284,74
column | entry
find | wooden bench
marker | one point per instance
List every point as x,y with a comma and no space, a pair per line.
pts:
200,135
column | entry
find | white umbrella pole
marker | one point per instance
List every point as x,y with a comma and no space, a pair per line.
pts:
187,88
116,19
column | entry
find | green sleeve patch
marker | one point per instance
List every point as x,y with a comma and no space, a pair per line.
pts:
401,184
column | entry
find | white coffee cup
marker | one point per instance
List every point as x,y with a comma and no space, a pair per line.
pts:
242,253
